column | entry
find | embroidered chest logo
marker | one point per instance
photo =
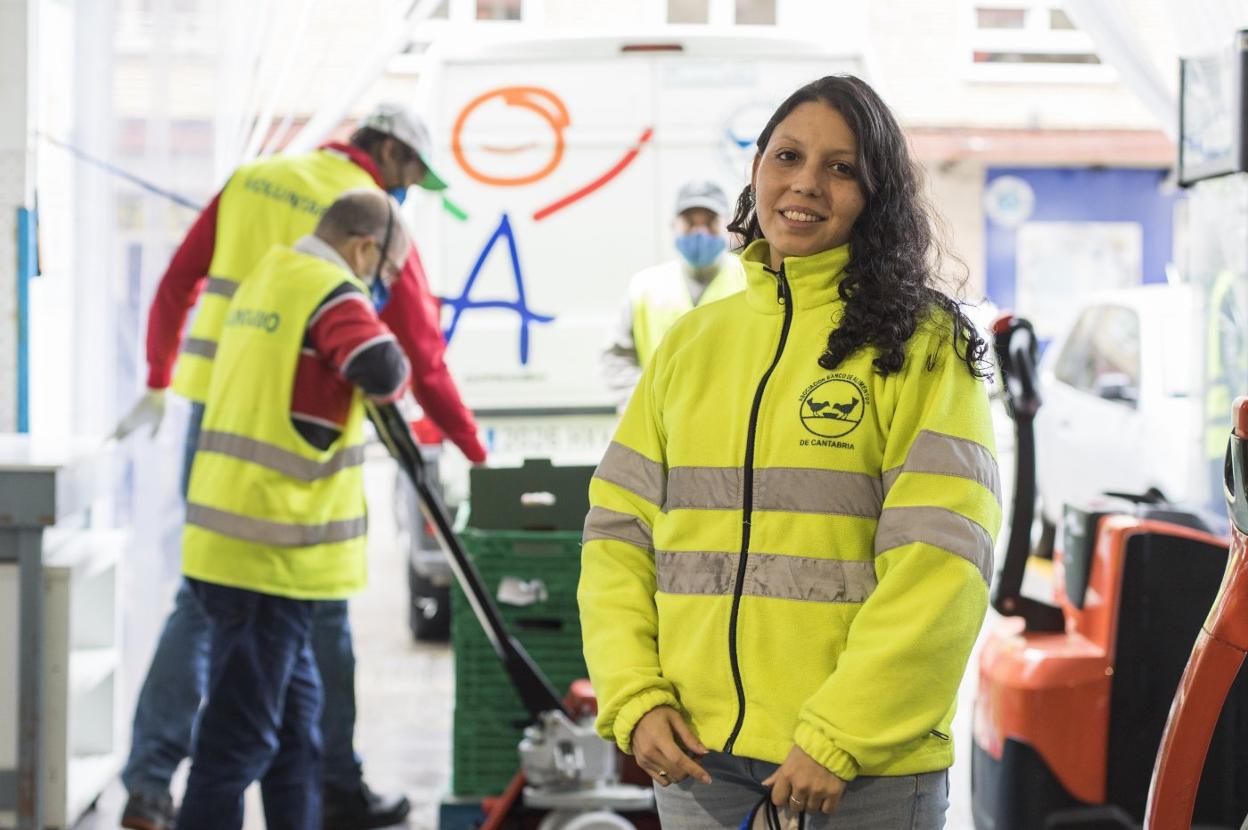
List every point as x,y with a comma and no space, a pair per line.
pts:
833,408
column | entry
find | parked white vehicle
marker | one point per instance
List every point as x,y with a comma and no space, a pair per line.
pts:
1121,403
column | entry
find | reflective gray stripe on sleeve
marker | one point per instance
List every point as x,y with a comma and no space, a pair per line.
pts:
703,488
830,492
276,458
201,348
946,455
627,468
791,489
771,575
221,287
939,527
890,478
613,525
278,534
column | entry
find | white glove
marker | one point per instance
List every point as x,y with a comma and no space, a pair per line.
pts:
149,410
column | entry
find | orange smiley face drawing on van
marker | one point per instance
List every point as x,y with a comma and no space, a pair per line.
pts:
546,107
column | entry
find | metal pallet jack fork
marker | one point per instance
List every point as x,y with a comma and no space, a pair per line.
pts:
565,767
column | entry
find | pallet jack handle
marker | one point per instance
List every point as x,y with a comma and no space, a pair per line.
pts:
1014,341
534,688
1215,661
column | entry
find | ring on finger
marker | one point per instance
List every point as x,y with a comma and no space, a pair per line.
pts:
798,804
663,774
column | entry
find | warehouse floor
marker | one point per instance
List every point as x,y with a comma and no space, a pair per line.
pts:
406,690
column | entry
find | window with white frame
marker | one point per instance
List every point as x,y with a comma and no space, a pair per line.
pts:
1029,40
756,12
723,12
498,9
688,11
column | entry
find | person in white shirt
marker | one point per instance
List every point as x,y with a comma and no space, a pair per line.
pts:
704,272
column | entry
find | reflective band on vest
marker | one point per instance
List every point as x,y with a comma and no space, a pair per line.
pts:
771,575
946,455
267,511
274,533
659,297
602,523
634,472
276,458
939,527
795,489
221,287
201,348
269,202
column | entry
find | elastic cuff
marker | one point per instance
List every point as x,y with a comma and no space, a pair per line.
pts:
472,449
815,744
630,713
159,377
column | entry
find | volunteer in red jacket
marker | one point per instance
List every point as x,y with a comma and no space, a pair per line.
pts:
278,200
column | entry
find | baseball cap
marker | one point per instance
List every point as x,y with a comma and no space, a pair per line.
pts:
702,194
402,123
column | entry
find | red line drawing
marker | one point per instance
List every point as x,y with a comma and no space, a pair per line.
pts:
577,195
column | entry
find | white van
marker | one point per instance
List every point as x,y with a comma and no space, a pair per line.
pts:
1121,410
564,156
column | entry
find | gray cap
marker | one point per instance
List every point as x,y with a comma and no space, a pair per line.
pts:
404,124
702,194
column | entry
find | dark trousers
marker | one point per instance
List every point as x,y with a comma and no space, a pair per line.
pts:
260,715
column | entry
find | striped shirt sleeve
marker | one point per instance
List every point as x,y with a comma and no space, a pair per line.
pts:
347,334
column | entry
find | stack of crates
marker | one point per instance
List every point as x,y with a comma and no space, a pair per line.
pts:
525,540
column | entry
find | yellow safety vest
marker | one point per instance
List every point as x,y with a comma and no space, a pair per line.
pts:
269,202
791,555
660,297
267,511
1226,361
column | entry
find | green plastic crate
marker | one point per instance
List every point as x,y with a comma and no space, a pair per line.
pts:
485,759
489,717
536,496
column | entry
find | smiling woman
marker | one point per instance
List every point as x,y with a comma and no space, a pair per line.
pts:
787,555
834,151
808,195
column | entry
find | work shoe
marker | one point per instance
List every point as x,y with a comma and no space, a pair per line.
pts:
149,812
361,808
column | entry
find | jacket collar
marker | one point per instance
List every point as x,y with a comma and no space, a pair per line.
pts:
813,280
312,245
356,156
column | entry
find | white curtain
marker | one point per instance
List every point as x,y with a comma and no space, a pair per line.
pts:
393,38
1198,28
1206,26
1109,24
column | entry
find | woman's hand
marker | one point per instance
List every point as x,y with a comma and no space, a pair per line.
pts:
802,784
657,751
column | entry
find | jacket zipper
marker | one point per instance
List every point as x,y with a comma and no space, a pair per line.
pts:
747,483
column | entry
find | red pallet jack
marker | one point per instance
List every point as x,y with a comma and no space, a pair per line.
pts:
567,771
1215,662
1073,692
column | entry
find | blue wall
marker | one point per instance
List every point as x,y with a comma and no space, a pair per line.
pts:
1075,194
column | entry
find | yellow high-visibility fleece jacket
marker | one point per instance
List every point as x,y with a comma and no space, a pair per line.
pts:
786,554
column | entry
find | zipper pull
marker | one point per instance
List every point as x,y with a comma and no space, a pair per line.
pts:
780,286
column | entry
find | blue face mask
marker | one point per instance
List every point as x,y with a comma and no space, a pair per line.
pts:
700,249
381,294
379,290
399,194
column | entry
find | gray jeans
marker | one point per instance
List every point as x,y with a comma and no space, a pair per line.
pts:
905,802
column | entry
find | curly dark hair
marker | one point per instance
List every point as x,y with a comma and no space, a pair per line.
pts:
890,284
